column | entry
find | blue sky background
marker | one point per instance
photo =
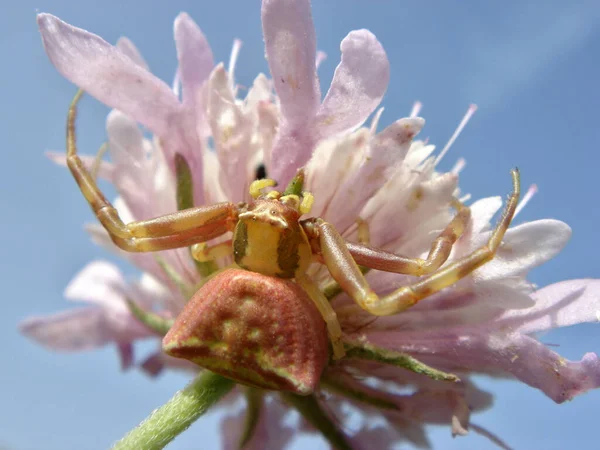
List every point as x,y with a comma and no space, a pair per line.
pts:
531,66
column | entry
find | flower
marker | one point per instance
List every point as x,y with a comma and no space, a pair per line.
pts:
485,323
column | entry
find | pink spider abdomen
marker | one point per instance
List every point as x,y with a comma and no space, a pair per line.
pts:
258,330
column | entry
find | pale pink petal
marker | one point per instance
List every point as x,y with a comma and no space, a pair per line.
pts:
99,283
482,212
231,132
558,305
108,74
132,168
105,169
194,54
290,49
125,350
386,151
321,56
290,45
524,247
332,161
129,49
477,350
358,85
502,295
82,329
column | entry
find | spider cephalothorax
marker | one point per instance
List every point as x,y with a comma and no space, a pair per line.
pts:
275,246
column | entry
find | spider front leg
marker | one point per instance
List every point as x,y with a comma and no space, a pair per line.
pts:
180,229
345,271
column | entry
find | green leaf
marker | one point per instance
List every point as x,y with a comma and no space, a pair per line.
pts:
309,407
372,353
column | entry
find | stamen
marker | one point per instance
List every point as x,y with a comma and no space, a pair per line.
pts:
459,166
528,195
416,109
235,51
463,122
98,161
321,56
375,121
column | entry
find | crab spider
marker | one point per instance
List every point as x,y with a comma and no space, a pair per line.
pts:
271,239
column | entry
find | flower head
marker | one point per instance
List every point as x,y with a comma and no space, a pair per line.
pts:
207,147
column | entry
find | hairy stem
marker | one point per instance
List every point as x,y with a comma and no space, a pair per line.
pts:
175,416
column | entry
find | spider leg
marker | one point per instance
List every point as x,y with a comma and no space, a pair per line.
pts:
439,252
345,271
204,253
333,326
179,229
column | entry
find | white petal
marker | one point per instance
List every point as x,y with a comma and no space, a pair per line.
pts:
524,247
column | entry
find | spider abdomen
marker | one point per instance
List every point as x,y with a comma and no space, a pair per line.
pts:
258,330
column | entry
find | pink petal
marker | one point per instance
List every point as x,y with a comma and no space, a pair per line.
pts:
82,329
524,247
290,45
386,151
128,48
194,54
108,74
105,170
231,132
132,166
558,305
482,212
358,85
330,165
125,350
522,356
99,283
290,49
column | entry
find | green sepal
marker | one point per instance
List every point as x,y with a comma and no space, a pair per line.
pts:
254,404
370,352
296,185
186,290
152,320
308,406
185,183
185,200
355,394
175,416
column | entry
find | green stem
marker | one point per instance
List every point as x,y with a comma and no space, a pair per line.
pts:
358,395
254,404
175,416
152,320
309,408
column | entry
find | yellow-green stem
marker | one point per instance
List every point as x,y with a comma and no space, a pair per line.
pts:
175,416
